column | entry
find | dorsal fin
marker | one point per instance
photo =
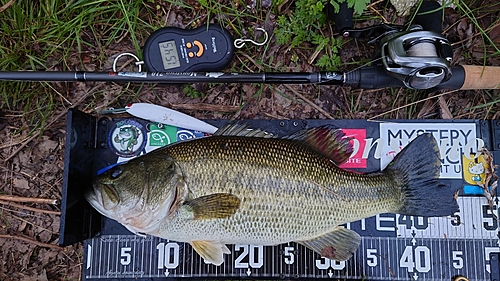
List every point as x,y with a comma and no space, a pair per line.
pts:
328,140
242,130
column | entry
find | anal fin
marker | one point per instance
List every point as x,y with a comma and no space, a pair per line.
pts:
211,251
337,245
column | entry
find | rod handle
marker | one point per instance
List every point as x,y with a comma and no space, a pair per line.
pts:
481,77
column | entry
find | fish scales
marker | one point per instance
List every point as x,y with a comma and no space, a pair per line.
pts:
272,176
243,188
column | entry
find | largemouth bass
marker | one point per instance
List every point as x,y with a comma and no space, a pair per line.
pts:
242,187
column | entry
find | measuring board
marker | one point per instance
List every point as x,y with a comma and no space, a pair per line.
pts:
393,247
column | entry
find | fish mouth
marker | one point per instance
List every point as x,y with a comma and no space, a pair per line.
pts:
93,196
91,193
102,197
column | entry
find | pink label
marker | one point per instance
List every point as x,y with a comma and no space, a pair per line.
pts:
358,140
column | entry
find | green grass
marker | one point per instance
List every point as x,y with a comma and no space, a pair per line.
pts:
50,35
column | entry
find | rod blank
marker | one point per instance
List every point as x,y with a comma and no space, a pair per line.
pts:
175,77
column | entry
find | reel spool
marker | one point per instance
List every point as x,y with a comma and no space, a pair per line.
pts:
420,59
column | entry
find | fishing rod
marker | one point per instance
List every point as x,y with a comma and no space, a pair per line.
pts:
465,77
415,56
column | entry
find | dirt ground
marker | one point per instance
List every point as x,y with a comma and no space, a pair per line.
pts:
33,162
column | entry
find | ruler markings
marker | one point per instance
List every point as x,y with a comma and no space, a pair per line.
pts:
443,249
474,255
107,254
141,260
451,268
373,270
112,249
439,262
473,251
473,219
98,266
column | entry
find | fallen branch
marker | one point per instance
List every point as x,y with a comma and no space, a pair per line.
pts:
36,210
28,199
29,240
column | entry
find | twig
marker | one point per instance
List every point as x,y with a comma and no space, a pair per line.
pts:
379,14
410,104
14,142
20,206
27,199
26,239
29,222
252,60
315,106
6,6
374,3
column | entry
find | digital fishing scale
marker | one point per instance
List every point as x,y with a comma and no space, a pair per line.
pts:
171,49
393,247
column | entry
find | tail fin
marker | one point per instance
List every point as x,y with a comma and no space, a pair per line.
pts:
418,166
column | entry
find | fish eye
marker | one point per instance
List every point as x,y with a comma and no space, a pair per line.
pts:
116,172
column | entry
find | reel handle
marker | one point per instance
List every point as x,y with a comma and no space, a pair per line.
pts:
342,19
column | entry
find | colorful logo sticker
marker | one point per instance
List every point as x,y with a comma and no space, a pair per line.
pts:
474,173
474,169
127,138
358,141
183,134
162,135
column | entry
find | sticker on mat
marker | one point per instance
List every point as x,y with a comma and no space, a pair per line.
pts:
162,135
127,138
358,141
454,140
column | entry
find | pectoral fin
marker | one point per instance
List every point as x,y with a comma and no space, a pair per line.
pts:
338,245
210,251
213,206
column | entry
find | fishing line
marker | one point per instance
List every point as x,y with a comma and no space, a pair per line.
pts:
365,65
422,49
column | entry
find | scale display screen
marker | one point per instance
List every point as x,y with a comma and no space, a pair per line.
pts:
393,247
169,54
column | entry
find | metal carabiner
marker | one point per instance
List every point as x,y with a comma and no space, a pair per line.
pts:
138,62
240,42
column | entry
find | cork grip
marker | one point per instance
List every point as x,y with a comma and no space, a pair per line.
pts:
481,77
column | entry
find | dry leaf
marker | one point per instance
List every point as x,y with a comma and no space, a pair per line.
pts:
443,109
40,277
427,109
